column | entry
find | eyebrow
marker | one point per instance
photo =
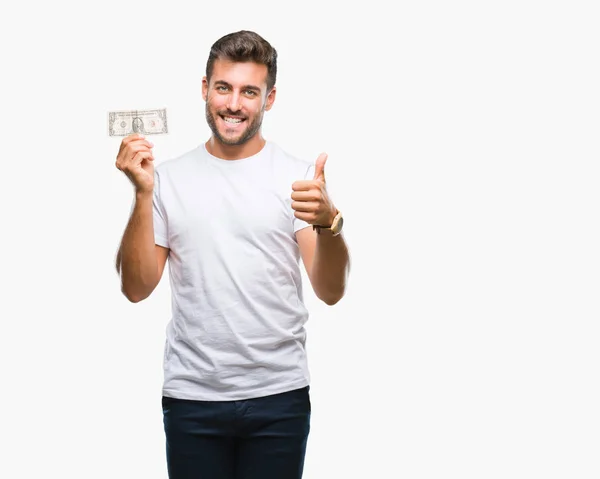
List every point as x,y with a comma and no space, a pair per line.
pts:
245,87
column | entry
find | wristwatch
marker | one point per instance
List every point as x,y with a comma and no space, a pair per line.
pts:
336,225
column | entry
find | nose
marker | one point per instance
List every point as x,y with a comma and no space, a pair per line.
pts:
234,102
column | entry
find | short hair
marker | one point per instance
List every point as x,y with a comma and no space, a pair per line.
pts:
244,46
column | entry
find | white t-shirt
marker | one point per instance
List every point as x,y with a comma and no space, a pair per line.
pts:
237,324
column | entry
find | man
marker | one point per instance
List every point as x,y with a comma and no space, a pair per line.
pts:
234,216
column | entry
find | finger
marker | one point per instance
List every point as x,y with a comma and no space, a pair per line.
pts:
320,167
142,155
123,163
304,185
130,150
129,138
305,206
141,145
136,139
312,195
308,217
133,137
136,161
144,143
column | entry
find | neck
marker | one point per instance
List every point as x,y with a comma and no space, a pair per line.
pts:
235,152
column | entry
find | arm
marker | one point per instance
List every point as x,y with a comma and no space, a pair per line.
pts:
325,256
327,262
140,262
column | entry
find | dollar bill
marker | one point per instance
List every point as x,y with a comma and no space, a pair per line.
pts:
146,122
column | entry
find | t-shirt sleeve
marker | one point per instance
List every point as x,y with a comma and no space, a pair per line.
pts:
309,175
161,236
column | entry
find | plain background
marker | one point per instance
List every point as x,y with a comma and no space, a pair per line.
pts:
463,151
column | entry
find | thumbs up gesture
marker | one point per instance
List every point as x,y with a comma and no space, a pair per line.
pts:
310,200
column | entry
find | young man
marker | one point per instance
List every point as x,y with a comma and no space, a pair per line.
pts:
234,216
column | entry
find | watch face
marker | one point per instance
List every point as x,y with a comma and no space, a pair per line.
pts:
340,223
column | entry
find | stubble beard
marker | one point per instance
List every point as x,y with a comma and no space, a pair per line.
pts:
246,135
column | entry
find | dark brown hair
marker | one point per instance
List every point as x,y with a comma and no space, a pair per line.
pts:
244,46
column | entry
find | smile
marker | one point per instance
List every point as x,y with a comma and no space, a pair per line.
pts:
231,119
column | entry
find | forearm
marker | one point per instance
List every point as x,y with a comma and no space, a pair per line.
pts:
136,261
330,268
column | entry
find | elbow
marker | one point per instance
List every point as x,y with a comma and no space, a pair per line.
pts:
331,299
134,298
331,290
137,287
136,294
331,294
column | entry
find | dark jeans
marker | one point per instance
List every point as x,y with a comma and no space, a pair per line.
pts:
260,438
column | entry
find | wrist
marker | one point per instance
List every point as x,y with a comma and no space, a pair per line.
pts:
329,222
143,195
335,227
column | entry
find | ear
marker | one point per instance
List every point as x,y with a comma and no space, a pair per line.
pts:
204,88
270,98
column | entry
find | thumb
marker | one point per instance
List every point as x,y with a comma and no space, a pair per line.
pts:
320,167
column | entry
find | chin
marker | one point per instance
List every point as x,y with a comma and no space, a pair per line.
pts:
233,141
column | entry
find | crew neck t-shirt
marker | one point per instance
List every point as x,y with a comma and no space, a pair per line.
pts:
237,314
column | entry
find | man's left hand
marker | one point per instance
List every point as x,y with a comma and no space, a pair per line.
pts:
311,202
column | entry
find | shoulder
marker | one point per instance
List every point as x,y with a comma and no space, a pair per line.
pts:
180,163
177,172
289,162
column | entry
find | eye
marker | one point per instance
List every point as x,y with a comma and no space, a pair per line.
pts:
221,88
250,93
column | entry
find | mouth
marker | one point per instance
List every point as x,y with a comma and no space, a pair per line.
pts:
232,121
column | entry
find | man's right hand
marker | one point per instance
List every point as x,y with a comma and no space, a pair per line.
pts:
136,160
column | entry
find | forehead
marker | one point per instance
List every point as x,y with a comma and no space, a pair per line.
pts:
239,73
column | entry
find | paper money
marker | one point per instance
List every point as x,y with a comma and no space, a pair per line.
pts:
146,122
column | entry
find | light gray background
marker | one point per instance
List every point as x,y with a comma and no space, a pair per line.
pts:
463,151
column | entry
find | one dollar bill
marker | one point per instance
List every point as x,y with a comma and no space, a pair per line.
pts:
146,122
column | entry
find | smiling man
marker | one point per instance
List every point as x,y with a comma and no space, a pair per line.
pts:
224,106
234,217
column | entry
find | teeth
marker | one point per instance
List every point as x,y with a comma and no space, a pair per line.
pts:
232,120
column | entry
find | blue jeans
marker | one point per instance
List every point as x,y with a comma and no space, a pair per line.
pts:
259,438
